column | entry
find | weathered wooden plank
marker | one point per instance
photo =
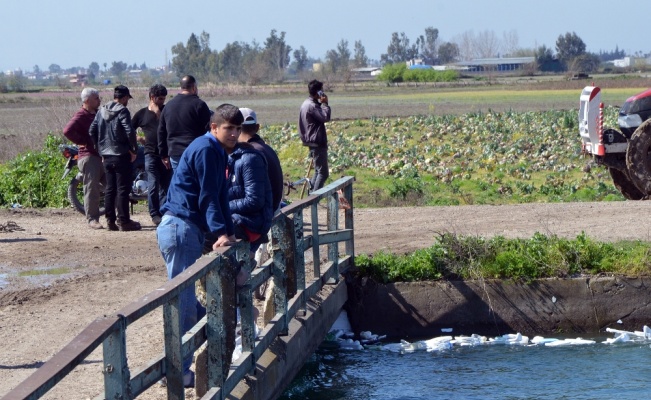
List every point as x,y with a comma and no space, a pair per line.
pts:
116,370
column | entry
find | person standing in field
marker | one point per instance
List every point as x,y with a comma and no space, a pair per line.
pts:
197,204
184,119
89,160
315,112
158,175
115,139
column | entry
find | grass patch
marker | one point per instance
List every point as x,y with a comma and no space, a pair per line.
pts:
541,256
51,271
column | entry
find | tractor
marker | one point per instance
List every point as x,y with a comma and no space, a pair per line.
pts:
625,152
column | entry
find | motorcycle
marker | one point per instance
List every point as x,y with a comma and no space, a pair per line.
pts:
75,193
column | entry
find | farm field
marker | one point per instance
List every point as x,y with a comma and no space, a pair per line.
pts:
406,145
92,273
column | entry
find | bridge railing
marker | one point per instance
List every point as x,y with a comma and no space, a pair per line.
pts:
286,267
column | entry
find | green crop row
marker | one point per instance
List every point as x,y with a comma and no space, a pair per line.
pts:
474,158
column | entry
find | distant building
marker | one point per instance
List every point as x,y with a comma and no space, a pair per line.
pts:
366,71
78,79
497,64
628,62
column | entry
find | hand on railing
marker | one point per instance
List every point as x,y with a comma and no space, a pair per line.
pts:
224,240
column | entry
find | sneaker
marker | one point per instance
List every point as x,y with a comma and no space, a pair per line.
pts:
94,224
129,226
156,219
111,226
188,380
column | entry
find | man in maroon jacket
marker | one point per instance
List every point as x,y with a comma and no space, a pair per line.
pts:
89,162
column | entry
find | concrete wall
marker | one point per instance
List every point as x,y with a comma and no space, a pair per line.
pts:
404,310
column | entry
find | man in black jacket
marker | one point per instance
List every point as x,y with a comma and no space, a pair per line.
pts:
115,141
183,119
158,175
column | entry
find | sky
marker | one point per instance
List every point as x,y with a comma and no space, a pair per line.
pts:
75,33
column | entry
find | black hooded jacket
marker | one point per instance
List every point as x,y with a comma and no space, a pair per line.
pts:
112,132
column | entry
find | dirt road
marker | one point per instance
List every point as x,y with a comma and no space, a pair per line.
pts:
92,273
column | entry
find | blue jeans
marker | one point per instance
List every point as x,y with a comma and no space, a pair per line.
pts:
180,243
159,179
321,169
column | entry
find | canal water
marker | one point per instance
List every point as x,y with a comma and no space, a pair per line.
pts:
597,371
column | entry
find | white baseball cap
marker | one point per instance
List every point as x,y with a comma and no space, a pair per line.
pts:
249,116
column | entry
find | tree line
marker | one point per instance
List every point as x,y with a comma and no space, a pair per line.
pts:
275,60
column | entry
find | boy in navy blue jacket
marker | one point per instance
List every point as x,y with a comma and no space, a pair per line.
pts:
197,202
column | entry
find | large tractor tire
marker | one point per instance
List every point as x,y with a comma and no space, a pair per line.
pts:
76,196
637,158
624,184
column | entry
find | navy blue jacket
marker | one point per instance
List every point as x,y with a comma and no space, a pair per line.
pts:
250,196
274,168
199,188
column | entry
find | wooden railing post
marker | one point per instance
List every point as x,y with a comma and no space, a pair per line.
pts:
173,331
220,307
116,369
299,249
348,220
315,241
245,300
280,244
332,218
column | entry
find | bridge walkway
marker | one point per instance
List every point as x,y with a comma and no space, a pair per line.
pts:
305,309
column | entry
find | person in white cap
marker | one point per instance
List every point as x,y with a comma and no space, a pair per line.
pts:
250,128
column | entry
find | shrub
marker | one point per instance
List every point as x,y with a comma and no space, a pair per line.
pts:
392,73
541,256
34,179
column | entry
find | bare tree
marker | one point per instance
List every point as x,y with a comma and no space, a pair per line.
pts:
466,45
487,44
510,43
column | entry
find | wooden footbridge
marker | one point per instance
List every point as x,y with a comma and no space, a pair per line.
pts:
305,309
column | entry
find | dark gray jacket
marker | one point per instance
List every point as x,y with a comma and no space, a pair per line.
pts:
311,123
112,132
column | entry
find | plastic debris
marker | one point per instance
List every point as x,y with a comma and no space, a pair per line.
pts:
510,338
542,340
570,342
368,340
